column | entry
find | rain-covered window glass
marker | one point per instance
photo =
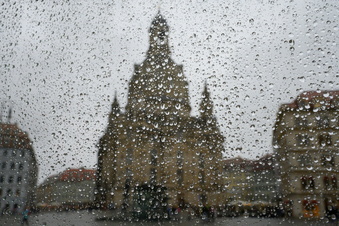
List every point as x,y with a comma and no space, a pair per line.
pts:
330,182
12,166
303,140
176,112
305,160
323,121
154,157
129,156
180,176
307,183
327,160
9,192
325,140
310,208
301,121
10,179
153,176
180,160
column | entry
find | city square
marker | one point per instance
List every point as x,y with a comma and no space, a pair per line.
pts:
85,218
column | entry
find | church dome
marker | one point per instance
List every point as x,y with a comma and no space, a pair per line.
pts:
158,84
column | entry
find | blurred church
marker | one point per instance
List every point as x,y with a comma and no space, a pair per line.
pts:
155,142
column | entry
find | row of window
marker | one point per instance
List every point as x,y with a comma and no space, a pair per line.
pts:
180,176
10,179
12,165
14,153
305,160
270,188
330,183
306,140
320,121
154,158
10,192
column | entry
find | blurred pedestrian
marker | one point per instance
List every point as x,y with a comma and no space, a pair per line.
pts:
25,215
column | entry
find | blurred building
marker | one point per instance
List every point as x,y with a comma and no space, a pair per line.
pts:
18,170
238,176
251,181
71,189
306,144
264,184
156,142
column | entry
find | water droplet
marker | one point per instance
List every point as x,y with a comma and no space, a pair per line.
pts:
302,79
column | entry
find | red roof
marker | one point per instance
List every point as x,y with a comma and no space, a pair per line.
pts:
77,175
311,98
13,137
237,162
266,162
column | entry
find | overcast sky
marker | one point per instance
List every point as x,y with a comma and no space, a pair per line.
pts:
62,62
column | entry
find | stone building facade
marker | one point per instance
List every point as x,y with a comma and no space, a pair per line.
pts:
238,174
265,183
306,142
251,181
18,170
156,142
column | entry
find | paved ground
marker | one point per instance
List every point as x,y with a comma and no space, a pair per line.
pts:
84,218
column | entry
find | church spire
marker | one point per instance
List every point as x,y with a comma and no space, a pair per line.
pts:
206,105
115,110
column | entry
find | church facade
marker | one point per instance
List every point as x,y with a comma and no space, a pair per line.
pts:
155,142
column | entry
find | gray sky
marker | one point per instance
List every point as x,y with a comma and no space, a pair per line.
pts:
62,62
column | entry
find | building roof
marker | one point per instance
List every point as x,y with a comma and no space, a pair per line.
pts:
77,175
315,99
236,163
72,175
263,163
266,162
11,136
